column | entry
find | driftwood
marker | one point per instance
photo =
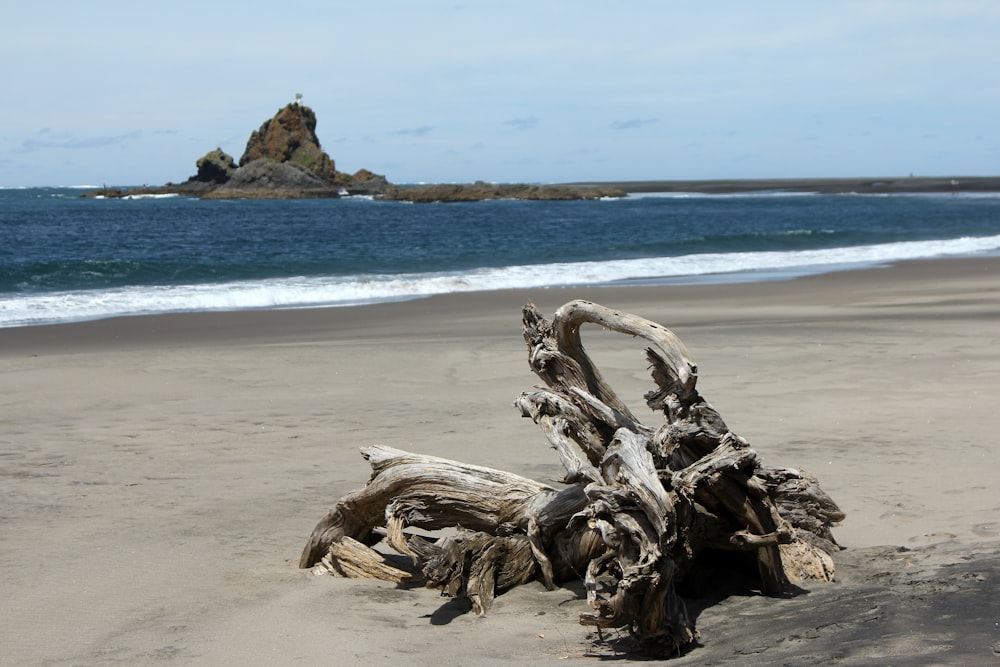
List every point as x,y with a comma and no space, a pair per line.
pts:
637,512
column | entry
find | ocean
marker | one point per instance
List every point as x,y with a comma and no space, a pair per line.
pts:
65,258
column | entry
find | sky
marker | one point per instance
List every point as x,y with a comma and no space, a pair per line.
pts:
107,93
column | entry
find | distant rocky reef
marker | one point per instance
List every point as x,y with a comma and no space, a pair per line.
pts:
283,159
479,191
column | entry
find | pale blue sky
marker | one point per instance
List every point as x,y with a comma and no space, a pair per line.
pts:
117,93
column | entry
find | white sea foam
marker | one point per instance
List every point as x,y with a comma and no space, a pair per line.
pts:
27,309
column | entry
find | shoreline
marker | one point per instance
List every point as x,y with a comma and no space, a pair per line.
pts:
257,324
724,278
854,185
162,473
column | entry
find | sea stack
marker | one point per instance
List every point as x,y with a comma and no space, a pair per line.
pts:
291,137
284,159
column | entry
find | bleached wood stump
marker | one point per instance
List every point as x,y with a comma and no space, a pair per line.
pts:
637,507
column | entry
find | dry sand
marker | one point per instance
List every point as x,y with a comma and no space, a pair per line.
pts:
161,474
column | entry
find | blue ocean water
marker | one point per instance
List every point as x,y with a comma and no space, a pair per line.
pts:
66,258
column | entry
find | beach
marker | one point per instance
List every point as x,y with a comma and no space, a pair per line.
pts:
161,474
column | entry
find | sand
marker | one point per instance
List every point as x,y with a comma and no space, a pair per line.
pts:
161,474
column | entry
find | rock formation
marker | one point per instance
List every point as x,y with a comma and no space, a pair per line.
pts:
364,181
290,136
264,178
283,159
479,191
215,167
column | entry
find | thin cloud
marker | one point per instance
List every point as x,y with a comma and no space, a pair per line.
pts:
633,123
525,123
96,142
419,131
67,141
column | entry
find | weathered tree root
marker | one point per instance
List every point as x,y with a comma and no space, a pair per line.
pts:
636,509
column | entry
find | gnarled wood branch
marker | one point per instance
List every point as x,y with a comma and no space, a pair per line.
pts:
636,509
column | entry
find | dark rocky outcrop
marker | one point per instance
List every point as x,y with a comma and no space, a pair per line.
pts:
364,182
214,167
290,136
265,178
479,191
283,159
